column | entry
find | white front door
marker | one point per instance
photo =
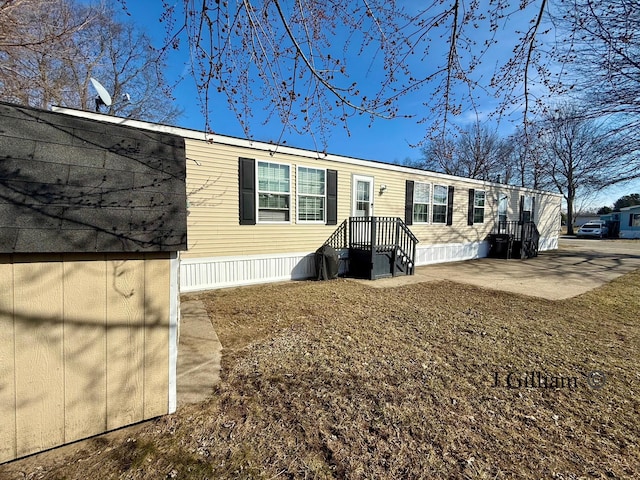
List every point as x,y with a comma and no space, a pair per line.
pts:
503,211
362,203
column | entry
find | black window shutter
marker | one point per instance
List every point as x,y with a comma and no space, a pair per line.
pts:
472,197
408,203
521,212
630,219
533,209
247,187
450,206
332,197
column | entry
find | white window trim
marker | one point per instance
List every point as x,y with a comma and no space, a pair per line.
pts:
429,203
298,194
258,191
484,211
446,203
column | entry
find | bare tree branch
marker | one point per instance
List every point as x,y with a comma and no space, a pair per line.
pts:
49,49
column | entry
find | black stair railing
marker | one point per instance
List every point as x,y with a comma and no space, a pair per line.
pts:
339,239
530,240
362,232
407,243
381,236
524,237
513,228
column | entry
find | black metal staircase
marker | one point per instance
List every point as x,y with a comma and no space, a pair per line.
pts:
514,239
378,246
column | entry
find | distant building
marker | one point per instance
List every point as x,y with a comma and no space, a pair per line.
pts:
630,222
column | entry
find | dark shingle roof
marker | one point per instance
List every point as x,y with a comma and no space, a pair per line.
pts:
69,184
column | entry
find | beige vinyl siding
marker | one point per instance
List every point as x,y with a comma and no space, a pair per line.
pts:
84,346
213,222
212,189
547,214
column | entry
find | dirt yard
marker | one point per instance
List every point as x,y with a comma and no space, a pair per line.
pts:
428,380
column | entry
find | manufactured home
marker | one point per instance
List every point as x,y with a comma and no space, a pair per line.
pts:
94,249
257,212
630,222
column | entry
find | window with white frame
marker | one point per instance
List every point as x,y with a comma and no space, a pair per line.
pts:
478,206
311,193
439,204
503,205
635,219
421,200
527,209
274,187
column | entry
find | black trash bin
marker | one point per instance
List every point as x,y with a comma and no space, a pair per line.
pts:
327,262
500,245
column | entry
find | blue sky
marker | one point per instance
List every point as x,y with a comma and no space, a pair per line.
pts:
383,140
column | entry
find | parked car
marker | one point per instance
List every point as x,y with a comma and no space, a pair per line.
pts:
596,229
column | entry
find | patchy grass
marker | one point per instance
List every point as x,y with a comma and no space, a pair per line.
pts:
340,380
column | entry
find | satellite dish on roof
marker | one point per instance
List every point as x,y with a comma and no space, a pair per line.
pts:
103,97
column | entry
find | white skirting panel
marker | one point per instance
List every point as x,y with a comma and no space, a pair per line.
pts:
629,234
220,272
450,252
548,243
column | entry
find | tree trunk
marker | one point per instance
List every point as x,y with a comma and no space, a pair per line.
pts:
570,198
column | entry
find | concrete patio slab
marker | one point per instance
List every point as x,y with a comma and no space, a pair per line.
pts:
576,267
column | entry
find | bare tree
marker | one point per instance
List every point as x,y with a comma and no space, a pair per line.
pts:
484,153
284,56
602,44
124,59
601,50
438,155
582,156
526,163
50,49
35,39
476,152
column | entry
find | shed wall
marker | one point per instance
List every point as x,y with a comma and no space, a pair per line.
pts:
84,346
